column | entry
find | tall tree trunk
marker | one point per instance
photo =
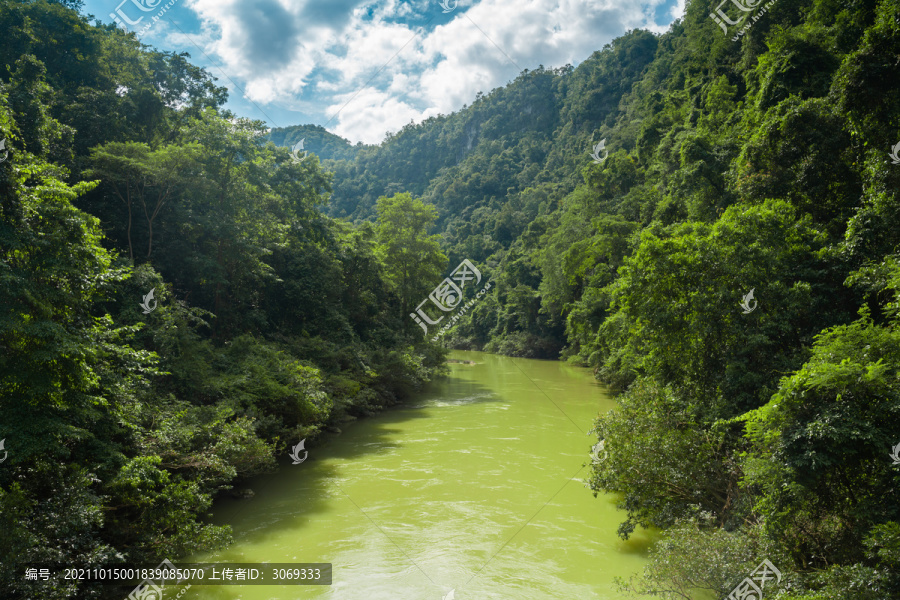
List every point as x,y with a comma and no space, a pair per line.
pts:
218,295
150,241
223,191
130,247
126,200
160,201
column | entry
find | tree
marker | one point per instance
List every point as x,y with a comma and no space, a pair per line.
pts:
665,464
121,165
64,366
680,292
136,173
166,169
693,559
821,445
413,259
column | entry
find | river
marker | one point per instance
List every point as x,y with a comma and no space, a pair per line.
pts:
476,486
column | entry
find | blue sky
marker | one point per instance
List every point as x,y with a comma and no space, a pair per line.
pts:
363,68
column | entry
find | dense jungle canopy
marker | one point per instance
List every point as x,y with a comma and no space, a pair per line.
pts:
284,287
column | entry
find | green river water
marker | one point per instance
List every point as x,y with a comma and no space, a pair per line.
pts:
476,486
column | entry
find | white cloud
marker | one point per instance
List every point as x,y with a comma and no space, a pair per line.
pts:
370,115
314,55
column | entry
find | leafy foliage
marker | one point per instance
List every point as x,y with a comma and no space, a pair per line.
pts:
271,322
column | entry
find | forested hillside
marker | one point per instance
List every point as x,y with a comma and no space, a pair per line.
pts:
314,139
175,311
763,163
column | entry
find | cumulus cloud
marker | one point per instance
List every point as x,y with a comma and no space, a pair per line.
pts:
367,68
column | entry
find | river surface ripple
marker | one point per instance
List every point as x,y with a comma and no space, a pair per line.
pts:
475,486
